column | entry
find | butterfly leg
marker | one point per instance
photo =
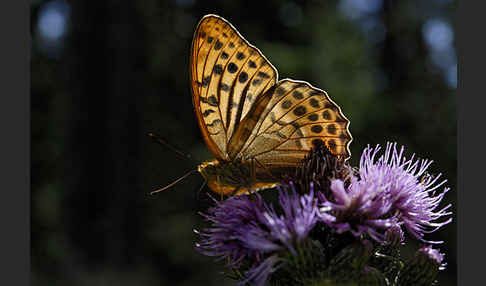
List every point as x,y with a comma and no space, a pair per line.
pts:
235,191
252,172
220,187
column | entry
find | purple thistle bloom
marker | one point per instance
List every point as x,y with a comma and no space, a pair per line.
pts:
433,253
357,209
390,191
300,214
231,220
245,227
422,268
259,275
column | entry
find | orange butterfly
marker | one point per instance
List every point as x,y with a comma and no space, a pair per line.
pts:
257,127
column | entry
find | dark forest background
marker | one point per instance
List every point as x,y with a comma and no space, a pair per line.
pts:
105,73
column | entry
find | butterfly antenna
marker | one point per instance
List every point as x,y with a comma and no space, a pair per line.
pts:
175,182
163,142
198,193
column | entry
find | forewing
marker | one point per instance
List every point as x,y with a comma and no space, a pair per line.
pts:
227,76
297,117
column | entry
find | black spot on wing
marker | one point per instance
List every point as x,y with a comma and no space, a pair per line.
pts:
279,91
326,115
300,110
297,94
286,104
213,101
256,82
314,102
313,117
299,85
240,56
344,137
232,67
243,77
263,75
218,69
224,87
316,129
331,128
207,112
206,81
218,45
252,64
330,106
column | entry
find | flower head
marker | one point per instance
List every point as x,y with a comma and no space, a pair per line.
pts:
390,191
434,255
357,209
230,218
314,237
260,274
318,168
422,268
245,228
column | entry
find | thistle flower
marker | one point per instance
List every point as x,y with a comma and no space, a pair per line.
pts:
319,167
246,229
390,191
422,269
434,255
315,233
357,210
230,219
260,274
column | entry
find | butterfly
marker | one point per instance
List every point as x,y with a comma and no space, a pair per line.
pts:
258,127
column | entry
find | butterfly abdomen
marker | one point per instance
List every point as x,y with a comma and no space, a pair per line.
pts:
237,177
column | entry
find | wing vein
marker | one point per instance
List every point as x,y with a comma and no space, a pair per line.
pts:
290,109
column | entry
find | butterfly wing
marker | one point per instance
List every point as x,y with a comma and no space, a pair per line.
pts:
227,76
296,117
244,113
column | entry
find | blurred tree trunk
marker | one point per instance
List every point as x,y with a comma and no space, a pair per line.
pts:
102,178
